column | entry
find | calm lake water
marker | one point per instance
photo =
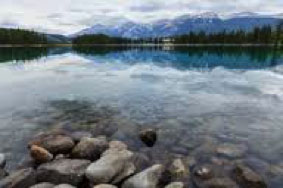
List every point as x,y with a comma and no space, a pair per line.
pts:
213,104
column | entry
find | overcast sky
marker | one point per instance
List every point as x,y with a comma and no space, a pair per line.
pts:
69,16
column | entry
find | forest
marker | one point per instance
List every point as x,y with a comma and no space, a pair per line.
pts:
21,36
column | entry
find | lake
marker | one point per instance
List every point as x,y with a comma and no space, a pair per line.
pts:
209,104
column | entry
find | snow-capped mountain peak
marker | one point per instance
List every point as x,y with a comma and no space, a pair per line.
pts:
207,21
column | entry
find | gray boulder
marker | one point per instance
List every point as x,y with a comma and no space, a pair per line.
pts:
90,148
2,160
247,178
179,170
112,167
117,145
55,143
64,186
43,185
176,185
20,179
69,171
105,186
148,178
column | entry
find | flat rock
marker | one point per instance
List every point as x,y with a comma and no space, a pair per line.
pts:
105,186
20,179
231,150
54,143
175,185
64,186
40,155
148,178
69,171
43,185
148,137
247,178
90,148
2,160
112,167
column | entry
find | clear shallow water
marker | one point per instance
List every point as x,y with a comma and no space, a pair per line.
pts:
198,99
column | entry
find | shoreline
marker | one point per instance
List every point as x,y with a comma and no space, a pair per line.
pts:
136,45
80,160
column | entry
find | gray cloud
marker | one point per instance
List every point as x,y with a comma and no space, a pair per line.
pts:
67,16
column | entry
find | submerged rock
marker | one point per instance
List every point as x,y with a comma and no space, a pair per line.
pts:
70,171
148,136
223,182
19,179
148,178
43,185
203,172
112,167
54,143
40,155
231,150
104,186
90,148
247,178
2,160
175,185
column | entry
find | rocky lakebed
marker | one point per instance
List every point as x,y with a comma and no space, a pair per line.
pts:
62,159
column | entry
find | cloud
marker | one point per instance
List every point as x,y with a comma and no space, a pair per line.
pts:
68,16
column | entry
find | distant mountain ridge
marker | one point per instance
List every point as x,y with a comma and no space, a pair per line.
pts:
209,22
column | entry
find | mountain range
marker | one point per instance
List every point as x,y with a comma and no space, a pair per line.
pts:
209,22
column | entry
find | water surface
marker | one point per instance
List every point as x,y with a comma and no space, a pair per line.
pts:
198,98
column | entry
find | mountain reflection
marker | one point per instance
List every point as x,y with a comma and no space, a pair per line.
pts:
182,58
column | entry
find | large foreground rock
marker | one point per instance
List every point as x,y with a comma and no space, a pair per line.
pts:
90,148
176,185
64,186
40,155
148,178
70,171
179,170
104,186
54,143
20,179
247,178
43,185
112,167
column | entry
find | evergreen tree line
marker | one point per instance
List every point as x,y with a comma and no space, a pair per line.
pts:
21,36
259,35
